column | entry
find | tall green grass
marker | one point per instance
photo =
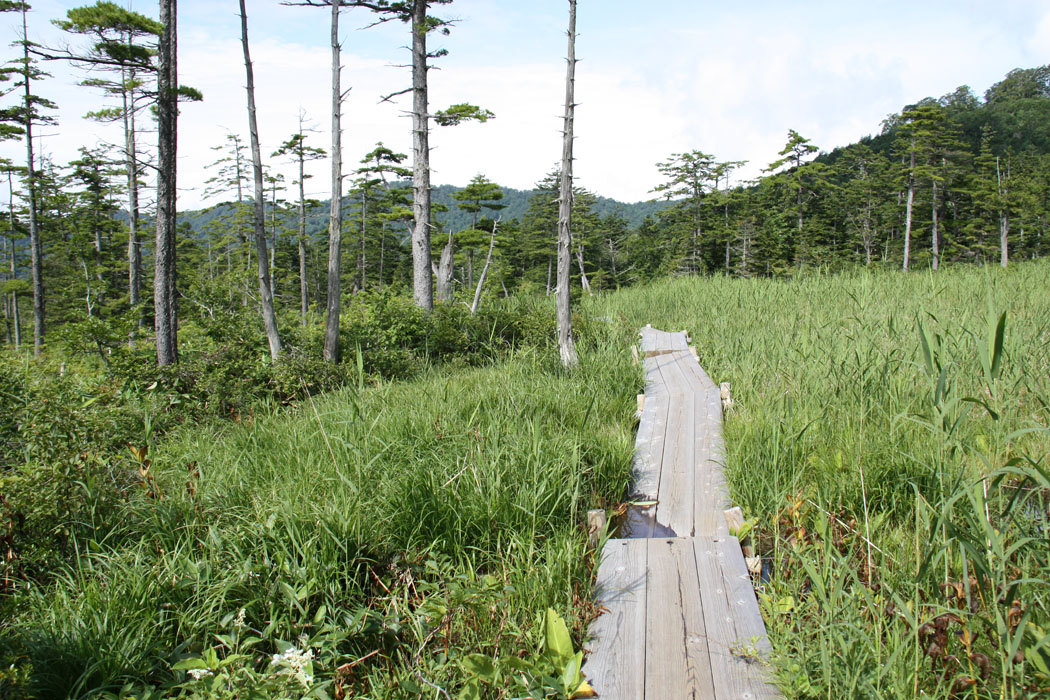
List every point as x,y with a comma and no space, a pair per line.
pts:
409,535
900,493
393,530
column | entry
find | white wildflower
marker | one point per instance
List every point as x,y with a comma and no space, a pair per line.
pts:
198,673
295,663
239,620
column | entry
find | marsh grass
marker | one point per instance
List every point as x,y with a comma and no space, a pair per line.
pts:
393,529
410,535
890,434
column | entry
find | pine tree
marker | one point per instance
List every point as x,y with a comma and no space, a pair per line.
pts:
124,43
296,148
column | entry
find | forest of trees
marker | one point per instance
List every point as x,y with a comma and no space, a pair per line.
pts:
948,180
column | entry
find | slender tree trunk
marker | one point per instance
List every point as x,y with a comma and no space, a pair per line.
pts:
566,346
1004,221
335,231
364,229
907,209
265,291
164,313
14,258
422,289
35,248
550,272
697,231
577,246
936,244
131,164
304,304
382,252
484,270
173,192
1004,235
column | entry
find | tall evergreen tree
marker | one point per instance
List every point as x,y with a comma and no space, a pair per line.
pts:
125,43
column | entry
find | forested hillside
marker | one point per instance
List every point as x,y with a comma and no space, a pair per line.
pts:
514,202
959,178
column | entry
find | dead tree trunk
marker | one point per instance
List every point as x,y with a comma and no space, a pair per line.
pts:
907,210
422,289
443,272
484,270
14,261
584,282
273,338
35,248
935,247
566,346
335,233
131,163
1004,220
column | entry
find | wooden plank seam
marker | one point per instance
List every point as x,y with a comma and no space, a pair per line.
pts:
679,614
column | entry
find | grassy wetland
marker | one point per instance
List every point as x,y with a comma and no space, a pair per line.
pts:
404,538
889,442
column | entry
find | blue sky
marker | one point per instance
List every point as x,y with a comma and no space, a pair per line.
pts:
727,78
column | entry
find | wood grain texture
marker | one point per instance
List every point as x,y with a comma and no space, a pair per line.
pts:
616,664
744,605
676,661
648,448
678,470
680,615
733,665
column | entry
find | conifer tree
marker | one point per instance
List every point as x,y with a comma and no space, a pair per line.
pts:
296,148
124,43
480,194
31,116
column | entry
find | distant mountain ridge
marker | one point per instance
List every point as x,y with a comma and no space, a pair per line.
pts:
516,203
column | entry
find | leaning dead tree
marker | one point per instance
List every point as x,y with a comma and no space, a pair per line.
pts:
265,289
566,346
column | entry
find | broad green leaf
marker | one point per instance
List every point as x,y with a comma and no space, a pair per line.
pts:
558,641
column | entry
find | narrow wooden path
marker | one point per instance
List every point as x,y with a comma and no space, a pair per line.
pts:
680,618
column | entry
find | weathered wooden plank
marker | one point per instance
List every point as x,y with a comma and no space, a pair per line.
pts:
677,663
678,470
669,462
731,658
616,664
648,448
680,378
706,494
703,380
740,595
687,365
654,383
653,340
716,460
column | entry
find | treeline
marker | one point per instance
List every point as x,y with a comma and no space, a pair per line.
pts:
954,179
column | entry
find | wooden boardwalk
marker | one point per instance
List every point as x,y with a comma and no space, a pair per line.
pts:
680,616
